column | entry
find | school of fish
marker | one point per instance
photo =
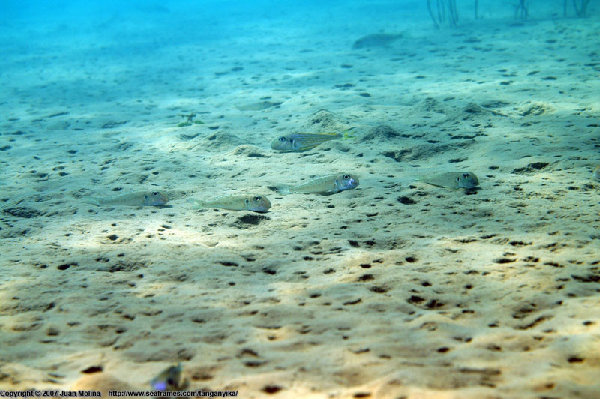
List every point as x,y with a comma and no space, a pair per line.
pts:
325,185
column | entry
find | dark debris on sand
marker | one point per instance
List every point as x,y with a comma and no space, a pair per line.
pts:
532,167
22,212
249,219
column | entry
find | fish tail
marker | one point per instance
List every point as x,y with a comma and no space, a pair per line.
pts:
285,190
91,201
311,140
198,204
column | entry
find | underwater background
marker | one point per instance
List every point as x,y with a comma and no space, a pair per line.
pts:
316,199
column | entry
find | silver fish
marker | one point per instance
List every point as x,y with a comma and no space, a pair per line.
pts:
144,198
376,40
254,203
324,185
453,180
298,142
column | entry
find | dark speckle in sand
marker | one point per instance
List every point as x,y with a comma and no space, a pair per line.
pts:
250,219
406,200
532,167
271,389
92,370
22,212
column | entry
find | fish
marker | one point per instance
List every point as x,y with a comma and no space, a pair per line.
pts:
376,40
142,198
326,185
298,142
259,106
254,203
453,180
169,380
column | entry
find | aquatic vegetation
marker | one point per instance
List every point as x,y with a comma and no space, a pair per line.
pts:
442,7
445,11
580,7
522,9
190,119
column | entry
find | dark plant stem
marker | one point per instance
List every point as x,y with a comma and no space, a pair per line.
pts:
441,11
453,12
580,9
435,22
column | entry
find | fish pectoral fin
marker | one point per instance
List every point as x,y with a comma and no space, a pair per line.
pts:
308,146
349,134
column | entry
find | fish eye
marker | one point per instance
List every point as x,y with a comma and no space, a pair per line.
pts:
458,179
155,194
346,176
465,175
257,198
282,139
170,381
